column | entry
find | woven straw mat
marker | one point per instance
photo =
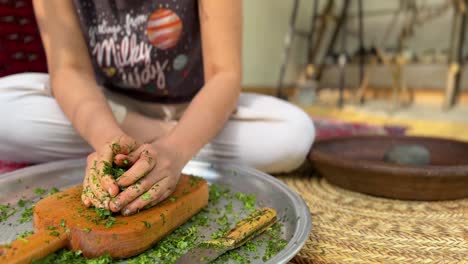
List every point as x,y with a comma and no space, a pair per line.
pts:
349,227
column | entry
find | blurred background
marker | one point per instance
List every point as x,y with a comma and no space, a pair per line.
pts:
356,66
391,55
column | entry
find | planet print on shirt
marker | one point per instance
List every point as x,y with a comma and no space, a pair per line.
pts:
180,62
164,28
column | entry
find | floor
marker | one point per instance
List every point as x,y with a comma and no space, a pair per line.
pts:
419,110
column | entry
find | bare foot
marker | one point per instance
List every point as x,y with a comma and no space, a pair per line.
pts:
145,129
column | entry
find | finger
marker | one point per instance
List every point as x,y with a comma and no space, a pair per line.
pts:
103,165
88,197
162,198
122,161
90,168
140,169
155,193
126,196
97,191
135,190
127,145
134,155
122,145
97,203
109,184
84,197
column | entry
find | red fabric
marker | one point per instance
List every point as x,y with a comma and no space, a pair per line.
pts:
20,43
7,166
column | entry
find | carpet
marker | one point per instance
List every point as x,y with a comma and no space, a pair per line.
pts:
414,127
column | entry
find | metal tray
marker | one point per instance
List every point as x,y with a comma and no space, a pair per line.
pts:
292,210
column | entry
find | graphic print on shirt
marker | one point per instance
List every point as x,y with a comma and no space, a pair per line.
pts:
115,53
146,49
164,28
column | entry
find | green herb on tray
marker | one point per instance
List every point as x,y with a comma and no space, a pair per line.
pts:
6,210
54,190
26,215
40,191
25,234
181,240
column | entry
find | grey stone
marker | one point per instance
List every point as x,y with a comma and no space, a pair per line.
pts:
408,155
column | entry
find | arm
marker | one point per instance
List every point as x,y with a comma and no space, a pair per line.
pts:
221,27
79,96
157,166
71,74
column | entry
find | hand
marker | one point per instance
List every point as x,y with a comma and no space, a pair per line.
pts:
153,175
99,186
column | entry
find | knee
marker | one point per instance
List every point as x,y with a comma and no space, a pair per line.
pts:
289,147
295,146
35,136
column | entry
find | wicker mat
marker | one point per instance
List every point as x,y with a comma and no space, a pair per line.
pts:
349,227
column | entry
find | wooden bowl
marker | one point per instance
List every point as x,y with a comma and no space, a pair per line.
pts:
356,163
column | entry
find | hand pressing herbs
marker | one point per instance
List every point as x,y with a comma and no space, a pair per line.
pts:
152,172
99,186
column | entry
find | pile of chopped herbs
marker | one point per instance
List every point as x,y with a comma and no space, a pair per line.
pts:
215,219
113,170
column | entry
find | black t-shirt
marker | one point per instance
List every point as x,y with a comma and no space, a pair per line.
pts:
149,50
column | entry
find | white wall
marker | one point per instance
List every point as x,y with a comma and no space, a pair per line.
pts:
266,24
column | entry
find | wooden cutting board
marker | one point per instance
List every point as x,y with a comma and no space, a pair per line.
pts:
61,221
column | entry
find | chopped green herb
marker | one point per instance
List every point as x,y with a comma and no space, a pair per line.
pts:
25,234
275,243
26,215
194,180
62,223
113,169
60,196
51,228
6,211
146,196
54,190
110,221
163,217
148,225
87,230
229,208
54,233
247,199
103,213
40,191
116,148
172,199
23,203
66,256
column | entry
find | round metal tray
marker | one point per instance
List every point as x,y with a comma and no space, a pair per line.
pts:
292,210
356,163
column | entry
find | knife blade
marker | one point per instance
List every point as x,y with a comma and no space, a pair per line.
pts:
243,231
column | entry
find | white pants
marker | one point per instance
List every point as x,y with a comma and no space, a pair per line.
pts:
266,133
